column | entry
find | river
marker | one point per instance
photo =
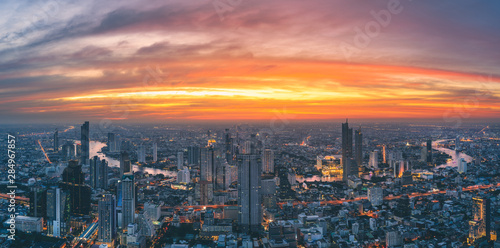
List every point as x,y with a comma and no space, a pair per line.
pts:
455,156
96,146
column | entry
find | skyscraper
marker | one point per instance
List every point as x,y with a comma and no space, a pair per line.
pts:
228,146
112,144
373,160
38,202
346,147
155,152
429,151
125,165
128,199
384,154
358,146
141,154
73,181
98,173
180,160
480,225
193,155
462,166
249,183
58,212
85,140
56,141
107,219
268,161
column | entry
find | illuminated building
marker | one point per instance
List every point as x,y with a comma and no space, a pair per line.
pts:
128,199
58,212
268,161
330,166
73,181
480,225
384,154
107,219
373,163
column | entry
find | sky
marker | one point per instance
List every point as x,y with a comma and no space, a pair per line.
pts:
248,60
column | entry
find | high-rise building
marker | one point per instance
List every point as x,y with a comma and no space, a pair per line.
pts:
462,166
58,212
73,181
249,183
358,146
112,144
180,160
155,152
141,154
56,141
429,151
268,193
384,154
107,219
85,140
98,173
346,147
125,165
128,199
193,155
207,164
373,163
38,202
376,196
184,176
480,225
268,161
228,146
457,143
399,168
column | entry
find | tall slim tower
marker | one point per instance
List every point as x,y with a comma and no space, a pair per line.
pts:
358,146
155,152
141,154
112,142
249,183
180,160
128,199
73,181
429,151
56,141
57,212
85,140
346,148
480,226
107,218
228,146
125,165
268,161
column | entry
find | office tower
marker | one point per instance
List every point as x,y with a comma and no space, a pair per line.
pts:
56,141
155,152
429,151
85,140
480,225
384,154
180,160
249,201
268,161
38,202
73,181
228,146
112,144
462,166
98,173
125,165
207,164
373,163
222,176
193,155
268,192
58,212
128,199
376,196
107,219
358,146
346,147
457,143
141,154
184,176
350,169
423,154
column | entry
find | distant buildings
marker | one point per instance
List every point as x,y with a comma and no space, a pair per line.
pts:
358,147
155,152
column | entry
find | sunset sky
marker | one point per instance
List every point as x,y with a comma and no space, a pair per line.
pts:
248,59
